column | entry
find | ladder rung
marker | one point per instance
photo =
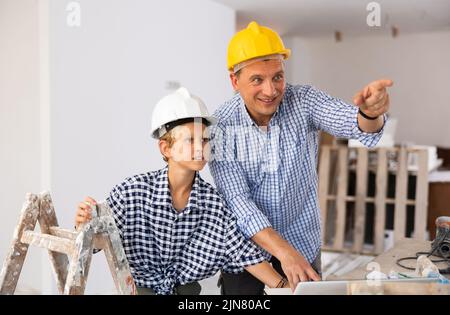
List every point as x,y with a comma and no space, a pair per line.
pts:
50,242
68,234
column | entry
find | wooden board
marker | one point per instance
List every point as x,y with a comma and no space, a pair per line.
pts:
401,184
47,219
341,203
380,201
398,288
336,229
360,204
15,258
324,168
420,211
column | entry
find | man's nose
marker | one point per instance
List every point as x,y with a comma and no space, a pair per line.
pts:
269,89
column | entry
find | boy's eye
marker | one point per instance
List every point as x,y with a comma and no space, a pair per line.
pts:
191,140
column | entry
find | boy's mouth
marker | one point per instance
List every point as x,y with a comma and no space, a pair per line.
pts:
198,157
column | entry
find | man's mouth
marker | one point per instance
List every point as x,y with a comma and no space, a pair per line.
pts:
267,101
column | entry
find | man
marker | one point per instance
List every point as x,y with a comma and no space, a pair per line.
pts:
265,153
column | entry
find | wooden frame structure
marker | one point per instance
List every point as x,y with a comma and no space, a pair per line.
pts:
340,196
70,251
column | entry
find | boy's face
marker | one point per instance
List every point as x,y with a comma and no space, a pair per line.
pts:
261,85
190,148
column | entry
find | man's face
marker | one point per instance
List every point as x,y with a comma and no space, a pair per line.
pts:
261,85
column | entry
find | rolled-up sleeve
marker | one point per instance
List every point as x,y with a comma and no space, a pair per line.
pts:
117,203
251,220
232,184
240,252
337,118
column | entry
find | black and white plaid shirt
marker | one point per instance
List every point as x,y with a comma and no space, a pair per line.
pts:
166,248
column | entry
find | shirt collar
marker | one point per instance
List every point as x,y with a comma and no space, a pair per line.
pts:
163,184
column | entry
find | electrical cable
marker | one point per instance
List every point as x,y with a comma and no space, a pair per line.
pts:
436,245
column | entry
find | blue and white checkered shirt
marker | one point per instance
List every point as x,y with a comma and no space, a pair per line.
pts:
269,178
166,248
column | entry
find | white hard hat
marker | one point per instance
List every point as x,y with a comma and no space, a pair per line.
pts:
176,106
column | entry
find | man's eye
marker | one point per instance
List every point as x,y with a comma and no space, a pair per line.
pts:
205,140
278,77
257,80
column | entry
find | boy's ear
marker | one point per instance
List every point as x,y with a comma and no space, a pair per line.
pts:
164,148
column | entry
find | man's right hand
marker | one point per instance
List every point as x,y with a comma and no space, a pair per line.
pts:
84,211
296,268
294,265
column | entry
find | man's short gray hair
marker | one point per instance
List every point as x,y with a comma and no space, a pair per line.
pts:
245,63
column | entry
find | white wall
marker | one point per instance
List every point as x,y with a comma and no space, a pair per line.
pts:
104,79
419,64
19,125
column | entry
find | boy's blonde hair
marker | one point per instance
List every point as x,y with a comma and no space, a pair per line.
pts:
170,139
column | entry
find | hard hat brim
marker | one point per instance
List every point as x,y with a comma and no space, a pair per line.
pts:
210,119
286,53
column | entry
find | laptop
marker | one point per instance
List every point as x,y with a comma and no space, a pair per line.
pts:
340,287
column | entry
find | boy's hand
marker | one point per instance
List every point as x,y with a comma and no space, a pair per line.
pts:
84,211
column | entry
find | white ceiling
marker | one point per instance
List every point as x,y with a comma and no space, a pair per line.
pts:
324,17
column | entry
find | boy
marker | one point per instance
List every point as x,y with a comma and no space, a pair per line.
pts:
175,227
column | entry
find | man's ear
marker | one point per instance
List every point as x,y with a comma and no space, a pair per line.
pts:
234,81
164,148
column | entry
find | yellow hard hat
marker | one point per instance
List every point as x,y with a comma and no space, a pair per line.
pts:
252,42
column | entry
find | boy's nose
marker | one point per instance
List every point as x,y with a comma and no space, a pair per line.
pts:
198,154
198,145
